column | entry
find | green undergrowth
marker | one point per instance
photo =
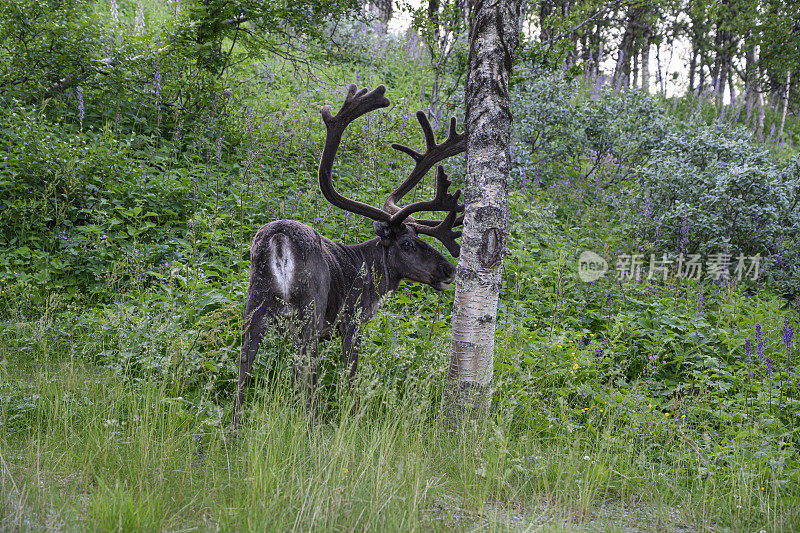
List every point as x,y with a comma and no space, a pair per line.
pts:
115,416
618,404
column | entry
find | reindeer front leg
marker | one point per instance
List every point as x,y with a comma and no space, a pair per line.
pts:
351,341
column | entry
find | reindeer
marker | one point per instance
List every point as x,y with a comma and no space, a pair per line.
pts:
329,288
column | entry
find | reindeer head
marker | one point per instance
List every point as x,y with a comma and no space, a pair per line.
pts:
406,253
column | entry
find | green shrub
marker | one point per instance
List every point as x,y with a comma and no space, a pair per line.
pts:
708,190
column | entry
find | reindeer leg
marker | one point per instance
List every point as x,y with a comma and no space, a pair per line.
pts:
255,315
305,369
350,344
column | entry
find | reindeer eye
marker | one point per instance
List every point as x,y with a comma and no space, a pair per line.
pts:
406,245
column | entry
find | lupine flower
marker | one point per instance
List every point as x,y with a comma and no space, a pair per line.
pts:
747,350
788,334
79,91
525,181
139,17
759,343
788,340
683,240
157,82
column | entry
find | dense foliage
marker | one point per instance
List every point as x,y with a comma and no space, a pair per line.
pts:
125,219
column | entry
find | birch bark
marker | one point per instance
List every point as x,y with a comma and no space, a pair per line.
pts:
785,103
494,34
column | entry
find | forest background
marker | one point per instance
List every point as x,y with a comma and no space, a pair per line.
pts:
143,143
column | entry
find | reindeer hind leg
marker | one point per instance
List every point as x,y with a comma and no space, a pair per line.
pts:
256,318
311,319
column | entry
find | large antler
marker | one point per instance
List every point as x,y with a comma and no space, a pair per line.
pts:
356,103
443,201
360,102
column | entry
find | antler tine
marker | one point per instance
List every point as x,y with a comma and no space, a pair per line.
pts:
443,231
453,145
357,103
443,201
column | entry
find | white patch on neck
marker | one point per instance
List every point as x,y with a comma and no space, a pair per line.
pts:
282,264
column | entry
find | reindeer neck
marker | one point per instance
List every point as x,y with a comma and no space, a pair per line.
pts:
380,279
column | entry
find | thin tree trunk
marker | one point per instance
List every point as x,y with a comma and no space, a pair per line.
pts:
702,72
572,54
716,83
622,71
725,70
383,9
494,35
627,47
785,103
749,74
433,16
755,95
646,60
545,10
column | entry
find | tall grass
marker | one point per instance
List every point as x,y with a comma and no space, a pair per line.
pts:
92,447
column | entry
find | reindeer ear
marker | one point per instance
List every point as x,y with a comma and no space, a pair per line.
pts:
383,230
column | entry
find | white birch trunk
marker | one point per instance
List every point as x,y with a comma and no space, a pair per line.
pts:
646,62
493,39
785,103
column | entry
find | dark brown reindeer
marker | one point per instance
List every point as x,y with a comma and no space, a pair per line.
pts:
330,288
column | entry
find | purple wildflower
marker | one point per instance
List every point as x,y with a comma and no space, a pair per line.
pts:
759,343
788,334
788,340
525,181
748,350
79,91
157,82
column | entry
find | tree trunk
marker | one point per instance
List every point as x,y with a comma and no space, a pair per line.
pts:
383,9
785,103
646,36
545,10
494,35
624,58
716,82
749,74
433,16
754,95
627,49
